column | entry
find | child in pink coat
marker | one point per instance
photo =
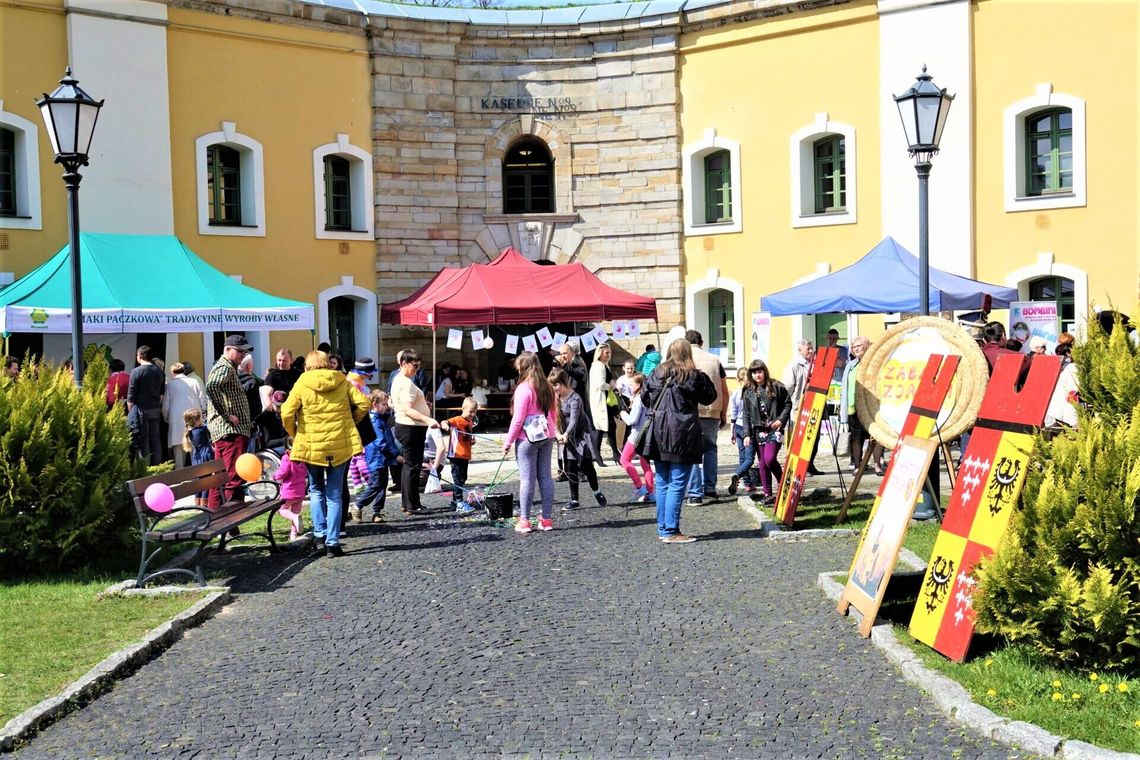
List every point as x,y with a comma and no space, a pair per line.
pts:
294,480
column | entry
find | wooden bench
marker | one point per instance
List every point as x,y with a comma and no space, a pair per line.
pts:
194,523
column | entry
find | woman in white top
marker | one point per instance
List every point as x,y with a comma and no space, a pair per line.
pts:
183,392
413,418
600,378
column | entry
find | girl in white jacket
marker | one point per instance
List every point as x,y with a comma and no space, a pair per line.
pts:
635,420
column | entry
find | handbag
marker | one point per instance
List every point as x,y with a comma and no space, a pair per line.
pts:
611,398
536,427
645,433
364,428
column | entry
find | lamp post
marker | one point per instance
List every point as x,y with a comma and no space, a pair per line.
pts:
923,109
70,114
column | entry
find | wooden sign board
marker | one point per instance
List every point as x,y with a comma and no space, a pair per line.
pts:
991,475
879,548
804,433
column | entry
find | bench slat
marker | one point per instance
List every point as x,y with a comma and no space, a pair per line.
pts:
221,521
186,481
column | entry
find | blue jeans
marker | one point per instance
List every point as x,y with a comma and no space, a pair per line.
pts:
326,501
747,455
702,477
670,479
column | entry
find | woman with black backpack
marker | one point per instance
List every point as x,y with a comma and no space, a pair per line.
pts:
672,437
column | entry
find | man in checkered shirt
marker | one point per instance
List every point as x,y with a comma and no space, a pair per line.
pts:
227,417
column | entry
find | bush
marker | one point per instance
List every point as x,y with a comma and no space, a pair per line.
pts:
1066,581
63,462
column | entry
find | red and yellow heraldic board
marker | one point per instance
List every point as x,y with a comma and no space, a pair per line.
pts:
990,477
804,434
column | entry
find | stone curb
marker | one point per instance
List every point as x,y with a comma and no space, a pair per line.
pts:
130,657
955,701
775,531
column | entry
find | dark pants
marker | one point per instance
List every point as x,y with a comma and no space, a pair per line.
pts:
152,437
376,492
411,439
458,478
576,469
228,449
611,436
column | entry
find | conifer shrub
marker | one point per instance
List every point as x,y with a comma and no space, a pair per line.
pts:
1066,580
64,460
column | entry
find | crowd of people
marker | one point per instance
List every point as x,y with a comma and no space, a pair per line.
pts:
659,417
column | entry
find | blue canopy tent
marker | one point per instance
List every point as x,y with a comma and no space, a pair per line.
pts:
882,282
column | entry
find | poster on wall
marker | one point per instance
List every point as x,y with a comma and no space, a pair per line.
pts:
761,332
1034,319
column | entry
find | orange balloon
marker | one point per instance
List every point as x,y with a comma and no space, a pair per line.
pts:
248,466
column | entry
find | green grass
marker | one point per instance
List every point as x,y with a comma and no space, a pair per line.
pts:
1015,683
52,632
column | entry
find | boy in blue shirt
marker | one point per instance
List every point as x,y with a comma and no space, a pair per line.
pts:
379,455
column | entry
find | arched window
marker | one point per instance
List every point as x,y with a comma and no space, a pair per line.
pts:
1058,290
338,194
1049,152
722,328
528,179
830,178
718,187
224,184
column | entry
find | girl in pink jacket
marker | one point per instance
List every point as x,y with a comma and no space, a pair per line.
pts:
533,425
294,480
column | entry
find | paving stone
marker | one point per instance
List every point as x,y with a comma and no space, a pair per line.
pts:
441,637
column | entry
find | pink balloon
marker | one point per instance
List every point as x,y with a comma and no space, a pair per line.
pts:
158,497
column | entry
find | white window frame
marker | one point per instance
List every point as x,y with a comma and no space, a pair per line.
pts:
693,184
365,315
697,311
27,158
1046,265
803,173
252,182
1014,151
361,189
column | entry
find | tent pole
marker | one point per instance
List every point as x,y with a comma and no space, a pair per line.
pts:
434,372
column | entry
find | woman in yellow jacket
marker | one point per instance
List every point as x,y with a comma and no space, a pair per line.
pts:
320,416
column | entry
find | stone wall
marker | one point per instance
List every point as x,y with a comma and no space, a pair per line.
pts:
603,97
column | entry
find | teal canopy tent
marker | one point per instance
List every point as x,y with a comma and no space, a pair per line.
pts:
143,283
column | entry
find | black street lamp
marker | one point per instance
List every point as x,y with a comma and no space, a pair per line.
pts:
70,114
923,109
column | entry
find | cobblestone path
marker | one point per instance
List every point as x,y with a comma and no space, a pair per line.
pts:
435,637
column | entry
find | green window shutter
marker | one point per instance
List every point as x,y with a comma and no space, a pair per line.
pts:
338,193
1049,152
7,172
830,174
718,187
224,185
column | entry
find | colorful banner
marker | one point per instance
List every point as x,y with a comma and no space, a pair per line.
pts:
990,478
761,334
801,440
883,538
1034,319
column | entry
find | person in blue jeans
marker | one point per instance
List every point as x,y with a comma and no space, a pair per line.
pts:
674,440
712,417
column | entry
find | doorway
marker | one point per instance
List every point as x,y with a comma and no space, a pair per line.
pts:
342,328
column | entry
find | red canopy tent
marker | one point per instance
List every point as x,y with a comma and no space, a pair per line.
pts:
514,290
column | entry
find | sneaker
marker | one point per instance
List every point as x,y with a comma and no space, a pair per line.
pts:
523,526
464,509
640,494
812,470
570,506
354,513
732,484
694,501
377,518
710,494
394,488
600,498
678,538
334,551
545,524
319,543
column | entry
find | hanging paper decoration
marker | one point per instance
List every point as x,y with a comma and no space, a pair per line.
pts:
544,338
477,340
455,339
619,329
599,333
559,340
511,345
588,342
633,329
530,344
